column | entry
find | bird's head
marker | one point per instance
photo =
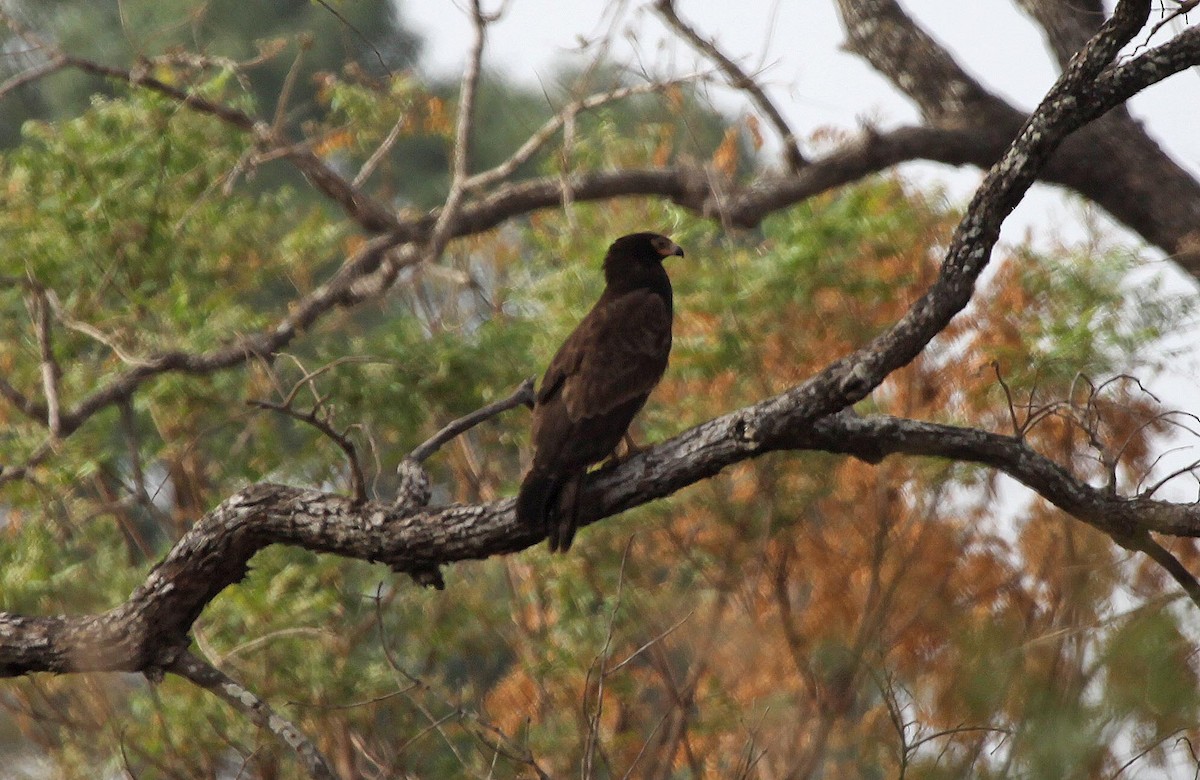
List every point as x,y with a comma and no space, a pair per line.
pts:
636,253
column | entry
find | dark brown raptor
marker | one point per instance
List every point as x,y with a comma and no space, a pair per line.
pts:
597,381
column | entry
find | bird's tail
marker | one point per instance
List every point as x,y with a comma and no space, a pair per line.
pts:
540,505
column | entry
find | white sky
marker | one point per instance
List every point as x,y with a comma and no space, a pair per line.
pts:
811,79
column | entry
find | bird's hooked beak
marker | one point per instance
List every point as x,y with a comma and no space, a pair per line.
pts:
670,248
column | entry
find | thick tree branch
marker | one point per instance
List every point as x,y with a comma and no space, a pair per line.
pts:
149,632
881,32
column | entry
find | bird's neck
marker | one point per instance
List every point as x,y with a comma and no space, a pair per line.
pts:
625,280
644,277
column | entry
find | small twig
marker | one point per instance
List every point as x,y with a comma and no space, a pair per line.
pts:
380,152
738,79
557,122
359,33
464,124
289,83
523,395
592,738
1185,6
193,668
1012,410
958,730
358,481
434,723
661,636
1144,751
91,331
1176,473
51,372
309,376
53,65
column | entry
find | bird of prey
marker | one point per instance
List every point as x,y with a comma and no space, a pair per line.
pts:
597,381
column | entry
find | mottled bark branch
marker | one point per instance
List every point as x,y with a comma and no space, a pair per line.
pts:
149,632
1112,162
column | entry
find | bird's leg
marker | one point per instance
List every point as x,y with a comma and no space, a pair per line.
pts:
619,455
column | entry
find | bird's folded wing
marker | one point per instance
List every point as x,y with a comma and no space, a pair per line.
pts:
618,353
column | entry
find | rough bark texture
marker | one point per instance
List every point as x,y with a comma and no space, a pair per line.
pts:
149,632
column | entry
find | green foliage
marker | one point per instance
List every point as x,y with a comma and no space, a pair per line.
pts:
369,34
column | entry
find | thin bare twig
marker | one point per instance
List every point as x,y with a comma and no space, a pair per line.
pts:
1191,467
289,83
51,371
52,65
195,669
381,151
739,79
559,121
522,396
655,640
358,481
592,738
1012,410
1185,7
362,37
464,125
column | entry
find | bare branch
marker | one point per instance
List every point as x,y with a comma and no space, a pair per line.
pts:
557,122
193,668
380,152
443,228
289,83
39,309
738,79
522,396
358,481
52,65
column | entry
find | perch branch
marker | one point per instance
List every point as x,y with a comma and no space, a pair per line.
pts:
145,633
